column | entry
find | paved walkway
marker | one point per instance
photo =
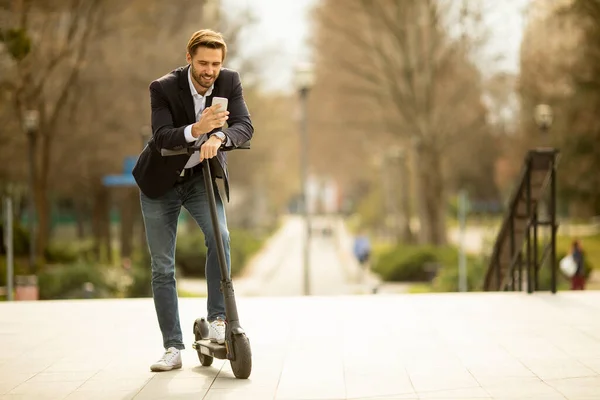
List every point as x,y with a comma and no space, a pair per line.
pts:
431,346
278,269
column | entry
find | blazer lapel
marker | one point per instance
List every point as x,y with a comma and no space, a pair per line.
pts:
185,95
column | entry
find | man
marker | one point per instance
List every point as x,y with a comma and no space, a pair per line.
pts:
362,249
578,279
182,115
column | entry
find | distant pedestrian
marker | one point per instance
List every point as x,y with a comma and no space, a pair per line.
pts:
362,249
578,279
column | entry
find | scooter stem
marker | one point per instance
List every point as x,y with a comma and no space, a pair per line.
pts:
226,283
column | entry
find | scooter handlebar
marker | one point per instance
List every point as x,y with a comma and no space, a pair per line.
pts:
167,152
190,150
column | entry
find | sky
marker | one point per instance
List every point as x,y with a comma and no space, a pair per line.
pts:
283,26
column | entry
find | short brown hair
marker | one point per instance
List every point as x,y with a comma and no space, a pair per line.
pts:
206,38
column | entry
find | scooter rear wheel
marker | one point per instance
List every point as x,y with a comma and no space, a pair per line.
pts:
200,333
242,365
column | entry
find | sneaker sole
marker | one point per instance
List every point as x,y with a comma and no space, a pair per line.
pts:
164,369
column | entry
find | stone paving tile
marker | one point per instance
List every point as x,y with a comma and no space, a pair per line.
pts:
577,388
433,346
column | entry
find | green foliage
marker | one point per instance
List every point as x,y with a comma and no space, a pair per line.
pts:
190,254
413,263
420,288
17,42
21,266
370,209
575,130
141,278
20,240
61,254
545,279
447,278
244,244
406,263
56,253
67,281
420,263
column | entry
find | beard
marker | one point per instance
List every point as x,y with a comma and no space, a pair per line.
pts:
204,80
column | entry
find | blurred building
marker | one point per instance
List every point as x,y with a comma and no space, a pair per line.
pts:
324,195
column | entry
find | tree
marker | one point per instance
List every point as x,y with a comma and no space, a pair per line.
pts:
90,98
581,146
263,179
570,83
53,41
403,74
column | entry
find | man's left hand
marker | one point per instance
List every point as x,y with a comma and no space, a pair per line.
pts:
210,148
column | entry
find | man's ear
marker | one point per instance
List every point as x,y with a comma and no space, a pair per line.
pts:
188,58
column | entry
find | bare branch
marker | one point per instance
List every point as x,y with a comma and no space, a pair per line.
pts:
89,20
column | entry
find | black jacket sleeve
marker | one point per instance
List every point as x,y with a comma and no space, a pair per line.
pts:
240,128
164,134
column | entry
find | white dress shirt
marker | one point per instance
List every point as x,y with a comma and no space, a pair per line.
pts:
199,105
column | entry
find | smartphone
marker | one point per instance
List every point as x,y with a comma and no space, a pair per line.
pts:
222,101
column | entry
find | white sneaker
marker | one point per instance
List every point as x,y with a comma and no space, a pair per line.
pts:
216,331
170,360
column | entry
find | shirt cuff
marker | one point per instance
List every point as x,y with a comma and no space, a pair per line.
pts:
188,134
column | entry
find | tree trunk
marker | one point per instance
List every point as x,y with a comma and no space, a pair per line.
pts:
41,192
127,221
406,234
101,224
43,214
431,199
420,177
106,224
96,221
42,206
80,219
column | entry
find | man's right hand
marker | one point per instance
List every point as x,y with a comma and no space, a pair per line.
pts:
210,119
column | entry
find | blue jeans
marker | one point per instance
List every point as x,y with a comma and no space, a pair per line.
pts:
160,220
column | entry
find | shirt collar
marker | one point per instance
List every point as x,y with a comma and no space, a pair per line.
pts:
193,88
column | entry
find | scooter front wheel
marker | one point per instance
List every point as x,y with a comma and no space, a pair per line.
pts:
242,365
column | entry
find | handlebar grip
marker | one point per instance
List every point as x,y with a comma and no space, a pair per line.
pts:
244,146
167,152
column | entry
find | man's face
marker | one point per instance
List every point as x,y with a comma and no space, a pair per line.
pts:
205,64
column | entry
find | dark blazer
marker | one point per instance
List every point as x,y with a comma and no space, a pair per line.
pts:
172,110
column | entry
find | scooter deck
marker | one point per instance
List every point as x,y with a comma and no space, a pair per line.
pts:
205,346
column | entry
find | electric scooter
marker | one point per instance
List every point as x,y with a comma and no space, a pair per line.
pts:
236,348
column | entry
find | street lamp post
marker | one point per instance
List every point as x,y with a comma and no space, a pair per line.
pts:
543,117
31,125
304,82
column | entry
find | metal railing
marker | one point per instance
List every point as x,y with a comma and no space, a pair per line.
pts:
509,277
